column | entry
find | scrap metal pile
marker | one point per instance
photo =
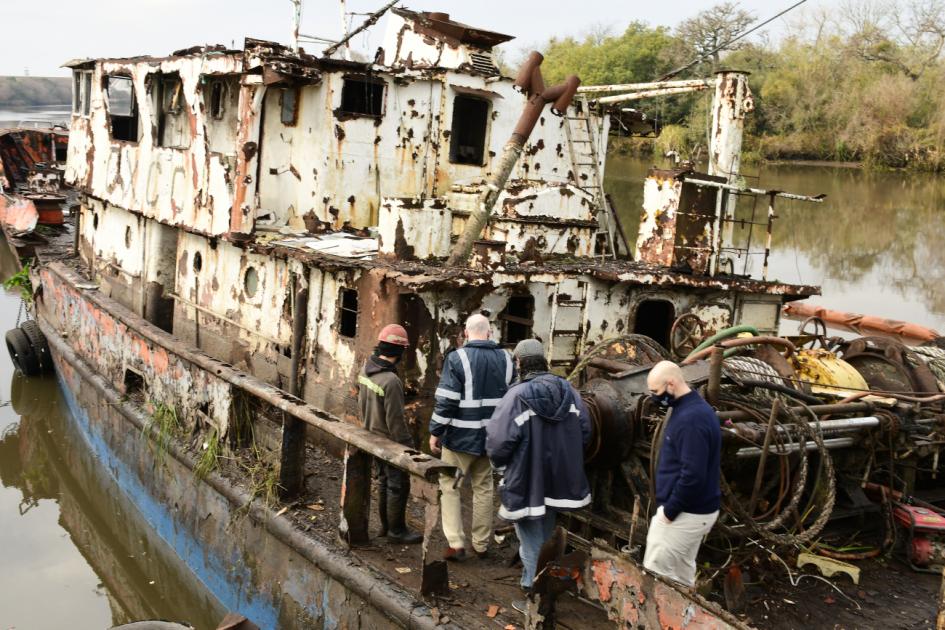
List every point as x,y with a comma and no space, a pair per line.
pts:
816,429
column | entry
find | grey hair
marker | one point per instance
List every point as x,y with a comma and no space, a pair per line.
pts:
478,324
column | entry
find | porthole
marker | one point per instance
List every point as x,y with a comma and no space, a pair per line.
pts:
198,262
250,282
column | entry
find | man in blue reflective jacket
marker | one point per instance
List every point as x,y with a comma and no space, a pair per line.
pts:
473,380
538,433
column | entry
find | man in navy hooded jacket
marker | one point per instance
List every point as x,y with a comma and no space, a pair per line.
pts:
538,433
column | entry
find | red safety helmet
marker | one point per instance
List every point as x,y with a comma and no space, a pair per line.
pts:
395,334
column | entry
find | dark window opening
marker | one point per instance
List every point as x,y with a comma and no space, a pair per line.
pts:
218,91
468,132
122,109
517,319
62,153
348,313
655,319
363,96
87,93
289,100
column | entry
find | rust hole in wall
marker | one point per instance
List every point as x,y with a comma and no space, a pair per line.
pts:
95,221
128,236
198,262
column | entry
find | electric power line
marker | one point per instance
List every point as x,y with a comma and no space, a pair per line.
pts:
673,73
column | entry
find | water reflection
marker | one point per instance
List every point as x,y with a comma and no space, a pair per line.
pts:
75,551
874,245
125,572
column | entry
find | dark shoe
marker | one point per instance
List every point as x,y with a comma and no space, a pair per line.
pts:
482,555
520,605
455,555
405,537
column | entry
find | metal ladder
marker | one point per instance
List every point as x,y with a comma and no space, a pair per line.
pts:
569,323
593,183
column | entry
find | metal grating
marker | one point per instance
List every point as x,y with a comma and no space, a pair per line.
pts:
483,63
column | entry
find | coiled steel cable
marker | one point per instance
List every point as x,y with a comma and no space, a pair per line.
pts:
742,368
599,348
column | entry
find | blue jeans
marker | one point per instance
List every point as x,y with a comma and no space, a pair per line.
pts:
532,534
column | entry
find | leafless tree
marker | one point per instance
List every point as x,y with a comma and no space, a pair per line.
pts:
708,33
909,36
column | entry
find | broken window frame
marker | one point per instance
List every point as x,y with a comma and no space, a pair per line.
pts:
292,119
81,92
216,102
349,80
344,307
132,119
76,92
87,103
482,151
160,82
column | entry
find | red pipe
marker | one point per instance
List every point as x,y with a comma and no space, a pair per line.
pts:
858,323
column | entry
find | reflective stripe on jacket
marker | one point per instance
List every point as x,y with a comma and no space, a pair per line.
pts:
473,381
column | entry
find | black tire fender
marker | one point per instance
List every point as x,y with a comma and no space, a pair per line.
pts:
21,353
40,345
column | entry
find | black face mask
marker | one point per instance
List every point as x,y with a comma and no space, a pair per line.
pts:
664,399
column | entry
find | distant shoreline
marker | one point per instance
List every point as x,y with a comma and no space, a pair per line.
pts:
35,91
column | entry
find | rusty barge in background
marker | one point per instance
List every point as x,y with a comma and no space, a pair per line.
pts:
247,221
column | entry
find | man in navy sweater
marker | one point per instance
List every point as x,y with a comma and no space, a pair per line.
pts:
687,476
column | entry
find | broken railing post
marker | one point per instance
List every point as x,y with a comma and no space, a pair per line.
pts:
434,576
292,455
530,82
355,497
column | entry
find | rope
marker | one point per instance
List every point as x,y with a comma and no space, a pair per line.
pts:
736,508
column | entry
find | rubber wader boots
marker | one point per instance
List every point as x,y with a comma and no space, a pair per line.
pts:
398,491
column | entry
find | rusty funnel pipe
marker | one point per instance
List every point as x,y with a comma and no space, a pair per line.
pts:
530,82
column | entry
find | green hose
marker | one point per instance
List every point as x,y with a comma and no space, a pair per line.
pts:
725,334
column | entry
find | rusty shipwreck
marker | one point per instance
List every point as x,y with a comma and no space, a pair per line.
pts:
248,219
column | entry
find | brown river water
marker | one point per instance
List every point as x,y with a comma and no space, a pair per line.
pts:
75,552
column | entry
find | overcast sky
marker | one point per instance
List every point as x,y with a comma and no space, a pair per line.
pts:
39,35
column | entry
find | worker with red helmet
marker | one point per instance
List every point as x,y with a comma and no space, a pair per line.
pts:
381,401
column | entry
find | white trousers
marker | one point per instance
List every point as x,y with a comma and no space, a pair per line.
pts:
671,547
